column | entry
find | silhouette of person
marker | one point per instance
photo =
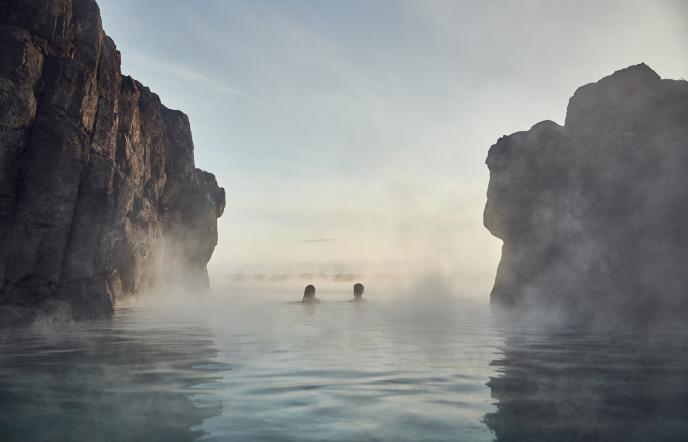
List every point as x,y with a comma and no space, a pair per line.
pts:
358,291
309,295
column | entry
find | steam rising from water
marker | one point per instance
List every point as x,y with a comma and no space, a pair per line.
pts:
420,366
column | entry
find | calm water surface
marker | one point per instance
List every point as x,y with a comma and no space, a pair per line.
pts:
379,371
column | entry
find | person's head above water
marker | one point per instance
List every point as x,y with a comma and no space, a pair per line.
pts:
309,293
358,290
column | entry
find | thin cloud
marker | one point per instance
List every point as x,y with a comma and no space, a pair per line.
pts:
188,75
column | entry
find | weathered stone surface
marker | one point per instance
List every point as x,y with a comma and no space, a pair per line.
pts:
594,214
99,195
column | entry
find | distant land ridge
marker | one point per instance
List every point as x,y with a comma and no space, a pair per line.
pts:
594,214
99,195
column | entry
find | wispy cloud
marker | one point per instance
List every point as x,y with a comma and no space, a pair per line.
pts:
186,74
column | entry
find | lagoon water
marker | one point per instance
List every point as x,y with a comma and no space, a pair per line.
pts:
389,370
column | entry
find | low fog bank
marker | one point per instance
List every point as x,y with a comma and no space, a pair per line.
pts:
426,288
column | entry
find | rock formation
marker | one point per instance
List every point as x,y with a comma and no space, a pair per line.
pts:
594,214
99,195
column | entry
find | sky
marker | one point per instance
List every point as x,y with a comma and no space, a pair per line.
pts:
351,135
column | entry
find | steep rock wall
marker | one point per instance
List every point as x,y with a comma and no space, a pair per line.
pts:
593,214
99,195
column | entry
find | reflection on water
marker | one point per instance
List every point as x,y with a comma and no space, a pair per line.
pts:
605,386
134,378
264,371
337,371
341,371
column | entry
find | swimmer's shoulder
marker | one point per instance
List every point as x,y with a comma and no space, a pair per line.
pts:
312,301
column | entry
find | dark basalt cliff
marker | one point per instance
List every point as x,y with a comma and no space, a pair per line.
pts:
594,214
99,195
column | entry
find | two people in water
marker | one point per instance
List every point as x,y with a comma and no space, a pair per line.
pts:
309,293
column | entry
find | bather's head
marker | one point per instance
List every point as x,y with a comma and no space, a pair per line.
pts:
358,290
309,293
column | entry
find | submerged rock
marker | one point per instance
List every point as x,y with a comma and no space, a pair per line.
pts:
593,214
99,195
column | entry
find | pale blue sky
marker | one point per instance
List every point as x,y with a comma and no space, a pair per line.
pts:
364,125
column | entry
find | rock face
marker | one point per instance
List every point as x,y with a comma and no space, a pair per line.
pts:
99,195
594,214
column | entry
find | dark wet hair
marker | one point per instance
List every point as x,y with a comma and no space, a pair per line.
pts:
309,291
358,288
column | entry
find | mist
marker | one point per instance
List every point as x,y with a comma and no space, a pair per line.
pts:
380,116
506,179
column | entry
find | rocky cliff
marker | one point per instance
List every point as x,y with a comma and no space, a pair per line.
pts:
594,214
99,195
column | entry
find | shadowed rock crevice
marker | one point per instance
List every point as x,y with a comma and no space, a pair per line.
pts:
99,195
593,213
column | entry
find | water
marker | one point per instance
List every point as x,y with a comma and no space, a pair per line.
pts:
379,371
